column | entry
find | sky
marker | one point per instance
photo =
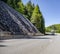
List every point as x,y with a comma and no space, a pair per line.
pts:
50,10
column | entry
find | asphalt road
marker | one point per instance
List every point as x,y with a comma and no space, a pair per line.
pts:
37,45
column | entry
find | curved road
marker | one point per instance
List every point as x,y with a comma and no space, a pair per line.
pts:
37,45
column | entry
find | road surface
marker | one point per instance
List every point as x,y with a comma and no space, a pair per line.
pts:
36,45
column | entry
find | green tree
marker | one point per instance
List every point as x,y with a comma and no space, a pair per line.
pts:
42,29
30,8
13,3
21,7
38,20
16,2
9,3
55,27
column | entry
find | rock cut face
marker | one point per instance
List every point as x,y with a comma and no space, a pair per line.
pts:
14,22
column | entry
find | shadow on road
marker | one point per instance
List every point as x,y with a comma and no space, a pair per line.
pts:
40,38
29,38
1,40
26,37
3,45
33,38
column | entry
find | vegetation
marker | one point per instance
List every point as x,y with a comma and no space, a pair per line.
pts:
37,19
30,11
30,8
56,27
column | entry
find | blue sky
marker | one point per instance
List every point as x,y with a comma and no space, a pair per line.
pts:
50,10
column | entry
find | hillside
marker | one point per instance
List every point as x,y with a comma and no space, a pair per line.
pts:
29,10
14,22
56,27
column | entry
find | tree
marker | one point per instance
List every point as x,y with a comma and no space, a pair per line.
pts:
13,3
21,7
30,8
42,25
16,2
38,20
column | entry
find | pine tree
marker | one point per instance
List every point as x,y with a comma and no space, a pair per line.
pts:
38,20
16,2
13,3
29,7
9,3
21,7
42,26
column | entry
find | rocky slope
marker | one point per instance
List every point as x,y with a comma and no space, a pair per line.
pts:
14,22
